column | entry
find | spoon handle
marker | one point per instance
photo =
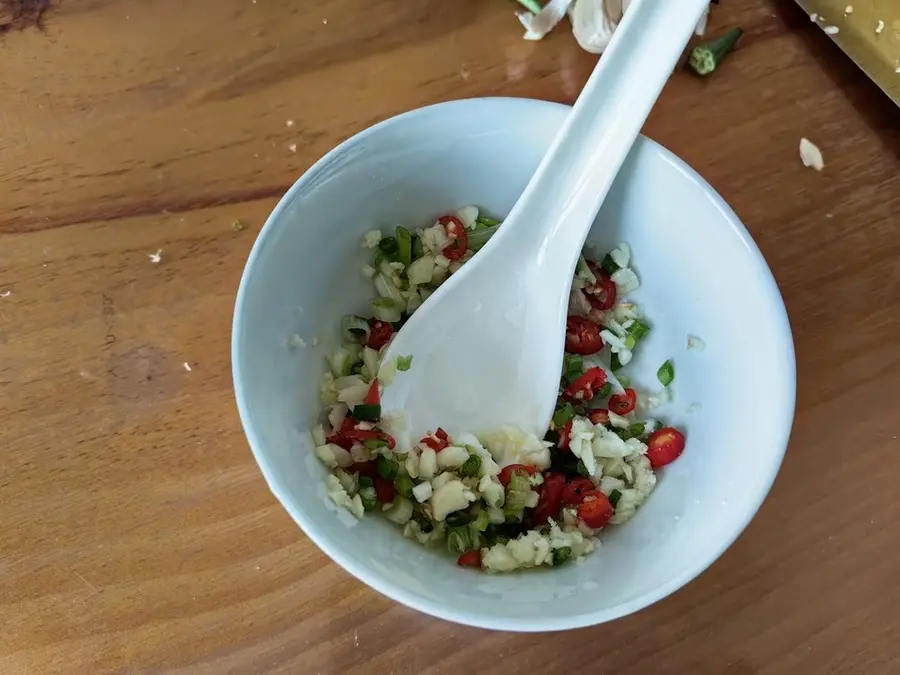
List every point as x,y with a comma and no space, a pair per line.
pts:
564,195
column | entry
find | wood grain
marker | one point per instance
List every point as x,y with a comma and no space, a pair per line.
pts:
138,535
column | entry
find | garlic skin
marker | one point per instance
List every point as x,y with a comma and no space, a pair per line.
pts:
595,21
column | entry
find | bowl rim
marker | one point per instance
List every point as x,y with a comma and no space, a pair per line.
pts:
384,585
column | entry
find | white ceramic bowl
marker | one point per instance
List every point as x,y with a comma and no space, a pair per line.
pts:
701,274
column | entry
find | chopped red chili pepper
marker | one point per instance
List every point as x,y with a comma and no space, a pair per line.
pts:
384,490
584,388
361,435
601,295
565,436
622,404
437,441
373,397
576,490
551,498
665,446
595,509
348,434
380,333
582,336
456,232
470,559
368,469
599,416
338,437
506,473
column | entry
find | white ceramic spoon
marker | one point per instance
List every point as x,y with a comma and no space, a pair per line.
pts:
487,347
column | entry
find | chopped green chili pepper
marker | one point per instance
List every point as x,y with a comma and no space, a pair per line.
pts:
355,328
614,497
458,519
609,265
636,430
478,238
374,443
484,221
368,497
638,330
666,373
614,363
582,469
404,486
573,366
389,249
708,56
404,246
604,391
459,540
471,467
482,520
387,467
404,363
418,248
561,555
551,437
563,415
367,412
624,434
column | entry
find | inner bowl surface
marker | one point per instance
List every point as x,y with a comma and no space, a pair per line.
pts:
701,275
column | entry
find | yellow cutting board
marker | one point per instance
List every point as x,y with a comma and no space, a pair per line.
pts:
877,53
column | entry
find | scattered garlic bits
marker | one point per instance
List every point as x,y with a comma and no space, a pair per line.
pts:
593,21
879,28
810,155
155,257
695,343
832,30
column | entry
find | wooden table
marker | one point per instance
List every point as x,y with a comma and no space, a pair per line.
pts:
138,535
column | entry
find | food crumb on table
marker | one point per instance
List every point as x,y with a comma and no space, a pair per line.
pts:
187,367
155,257
810,155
